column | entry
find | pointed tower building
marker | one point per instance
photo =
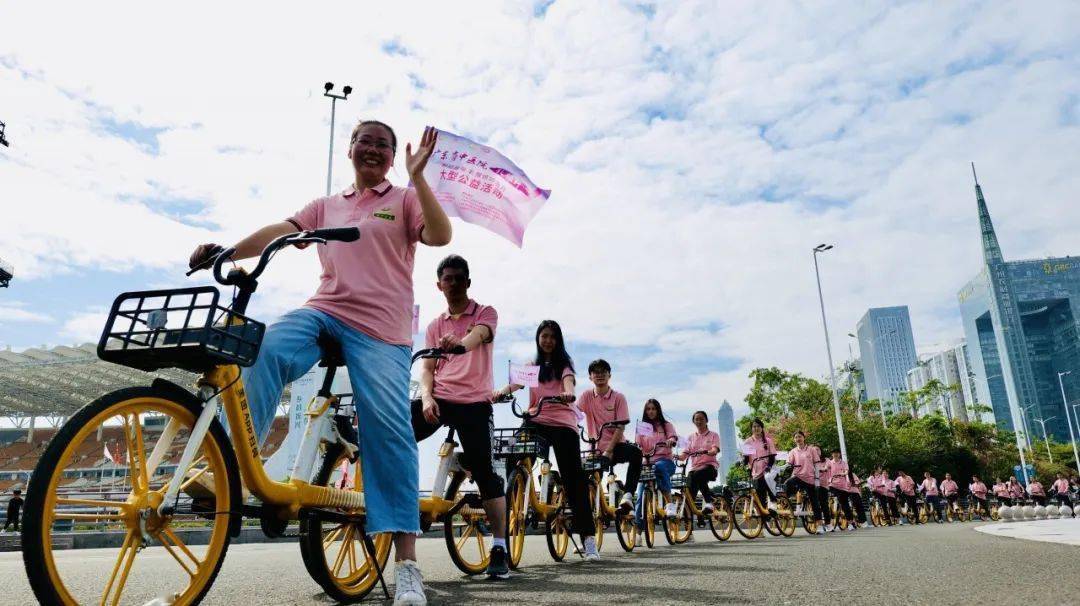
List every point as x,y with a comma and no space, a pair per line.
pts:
1020,322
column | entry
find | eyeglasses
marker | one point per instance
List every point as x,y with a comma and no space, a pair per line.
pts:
379,144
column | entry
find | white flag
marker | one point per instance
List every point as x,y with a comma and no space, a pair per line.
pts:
109,455
525,374
645,430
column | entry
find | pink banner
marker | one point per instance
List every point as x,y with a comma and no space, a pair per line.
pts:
483,187
525,374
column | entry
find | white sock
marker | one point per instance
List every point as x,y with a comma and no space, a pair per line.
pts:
499,543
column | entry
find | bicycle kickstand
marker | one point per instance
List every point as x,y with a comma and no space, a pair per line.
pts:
369,546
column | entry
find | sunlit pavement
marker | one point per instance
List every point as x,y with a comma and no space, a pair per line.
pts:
938,564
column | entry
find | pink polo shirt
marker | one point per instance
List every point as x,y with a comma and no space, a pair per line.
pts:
557,415
929,486
805,458
890,486
1062,486
660,436
1001,490
949,488
1036,489
465,378
854,487
703,442
978,489
758,451
600,409
907,485
1016,490
368,284
837,474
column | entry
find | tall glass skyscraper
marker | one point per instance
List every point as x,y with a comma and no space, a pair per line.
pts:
729,442
1020,320
887,351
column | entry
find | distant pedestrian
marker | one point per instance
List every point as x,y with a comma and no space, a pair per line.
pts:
13,509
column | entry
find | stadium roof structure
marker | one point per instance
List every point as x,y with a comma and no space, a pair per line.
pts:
57,382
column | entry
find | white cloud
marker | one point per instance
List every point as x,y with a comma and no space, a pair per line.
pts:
16,312
85,326
695,157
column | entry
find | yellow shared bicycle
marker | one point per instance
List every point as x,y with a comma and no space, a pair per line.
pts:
175,445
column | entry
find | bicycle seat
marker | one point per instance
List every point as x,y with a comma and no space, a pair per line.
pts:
331,352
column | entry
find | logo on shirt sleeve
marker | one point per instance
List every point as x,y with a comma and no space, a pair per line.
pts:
385,214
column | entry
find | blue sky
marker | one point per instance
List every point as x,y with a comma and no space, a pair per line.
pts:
696,153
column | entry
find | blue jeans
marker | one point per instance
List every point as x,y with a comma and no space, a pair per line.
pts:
663,469
379,373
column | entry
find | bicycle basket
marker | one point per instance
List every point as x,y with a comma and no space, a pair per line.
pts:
180,328
678,481
518,442
648,473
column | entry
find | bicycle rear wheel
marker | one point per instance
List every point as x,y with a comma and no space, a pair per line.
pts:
722,520
337,556
129,503
809,522
598,516
747,521
517,508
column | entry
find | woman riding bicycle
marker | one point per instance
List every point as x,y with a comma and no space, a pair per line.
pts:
839,482
662,438
1001,491
1016,491
558,425
889,491
929,488
854,490
802,459
703,467
907,487
1037,492
1060,490
364,303
950,491
760,454
978,492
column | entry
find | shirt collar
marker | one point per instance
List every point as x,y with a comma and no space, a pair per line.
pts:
606,396
379,190
470,309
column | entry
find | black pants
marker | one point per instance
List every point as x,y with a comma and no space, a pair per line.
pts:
912,506
981,506
1063,499
951,500
625,452
13,518
843,497
1006,501
857,504
566,443
763,492
794,485
698,482
1039,500
474,426
894,507
888,505
823,498
935,505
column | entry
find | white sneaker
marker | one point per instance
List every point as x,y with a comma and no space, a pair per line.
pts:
409,586
820,530
799,511
591,553
865,525
627,503
669,510
637,541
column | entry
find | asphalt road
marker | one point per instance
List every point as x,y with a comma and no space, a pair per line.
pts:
939,564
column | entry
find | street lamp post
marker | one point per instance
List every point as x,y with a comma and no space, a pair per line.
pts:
1046,439
820,248
329,86
1068,420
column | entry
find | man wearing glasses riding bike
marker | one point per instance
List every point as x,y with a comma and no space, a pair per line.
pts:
364,303
602,404
456,391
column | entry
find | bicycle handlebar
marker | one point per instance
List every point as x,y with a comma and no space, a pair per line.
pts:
437,353
592,441
317,236
526,415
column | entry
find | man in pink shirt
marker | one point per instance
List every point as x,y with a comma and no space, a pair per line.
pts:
889,491
456,391
1037,492
929,488
601,405
364,306
1060,490
951,492
703,464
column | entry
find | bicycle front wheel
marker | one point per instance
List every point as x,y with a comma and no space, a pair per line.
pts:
338,556
557,525
517,507
784,517
465,533
125,499
649,513
722,520
677,529
747,521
